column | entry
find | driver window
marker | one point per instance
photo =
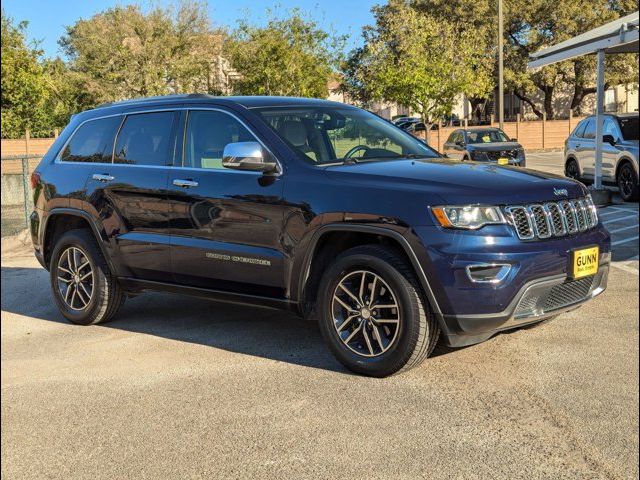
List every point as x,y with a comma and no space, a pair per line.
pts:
359,139
208,132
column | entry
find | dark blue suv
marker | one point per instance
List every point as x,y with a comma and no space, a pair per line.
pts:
312,206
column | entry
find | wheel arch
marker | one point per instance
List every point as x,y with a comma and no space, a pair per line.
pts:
308,281
622,161
571,157
60,220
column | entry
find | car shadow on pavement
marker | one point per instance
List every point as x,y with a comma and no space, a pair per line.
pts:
265,333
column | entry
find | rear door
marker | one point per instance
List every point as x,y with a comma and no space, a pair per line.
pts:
130,194
226,224
585,149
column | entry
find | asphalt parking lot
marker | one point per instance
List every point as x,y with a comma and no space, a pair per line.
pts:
176,387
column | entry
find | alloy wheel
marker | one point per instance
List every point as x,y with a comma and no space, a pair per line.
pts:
75,278
365,313
572,170
626,182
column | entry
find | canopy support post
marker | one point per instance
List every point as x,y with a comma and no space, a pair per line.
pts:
599,120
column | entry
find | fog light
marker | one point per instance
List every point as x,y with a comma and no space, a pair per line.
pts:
488,273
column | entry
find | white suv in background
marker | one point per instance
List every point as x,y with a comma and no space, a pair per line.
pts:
619,152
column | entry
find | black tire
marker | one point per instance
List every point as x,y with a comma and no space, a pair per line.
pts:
105,296
628,183
417,332
572,169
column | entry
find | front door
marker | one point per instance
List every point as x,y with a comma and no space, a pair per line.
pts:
225,224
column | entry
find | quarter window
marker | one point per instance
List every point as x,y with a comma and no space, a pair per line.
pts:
590,130
146,139
579,131
208,132
92,142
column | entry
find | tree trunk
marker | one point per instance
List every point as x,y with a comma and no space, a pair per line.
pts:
579,93
548,101
529,102
477,106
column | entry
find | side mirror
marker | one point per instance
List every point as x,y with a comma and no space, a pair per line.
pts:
609,139
460,143
247,156
514,139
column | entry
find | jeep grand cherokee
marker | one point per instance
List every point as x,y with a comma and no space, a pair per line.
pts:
312,206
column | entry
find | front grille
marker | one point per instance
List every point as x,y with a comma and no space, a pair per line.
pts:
568,293
553,219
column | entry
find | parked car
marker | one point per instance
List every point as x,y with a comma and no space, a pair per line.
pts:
311,206
399,120
619,153
484,144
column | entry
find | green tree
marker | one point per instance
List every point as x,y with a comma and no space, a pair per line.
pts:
127,52
289,56
475,19
24,90
413,59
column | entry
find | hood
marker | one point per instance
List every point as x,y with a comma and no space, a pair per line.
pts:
451,182
493,147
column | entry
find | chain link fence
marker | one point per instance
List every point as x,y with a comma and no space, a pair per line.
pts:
17,196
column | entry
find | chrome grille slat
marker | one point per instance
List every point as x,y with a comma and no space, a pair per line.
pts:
553,219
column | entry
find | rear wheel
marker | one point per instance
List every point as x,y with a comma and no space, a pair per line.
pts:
372,315
628,183
572,169
83,287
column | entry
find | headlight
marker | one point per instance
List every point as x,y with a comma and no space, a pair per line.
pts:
469,217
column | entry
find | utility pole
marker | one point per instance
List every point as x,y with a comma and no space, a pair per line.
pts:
500,67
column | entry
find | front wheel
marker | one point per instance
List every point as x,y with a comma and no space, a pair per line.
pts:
84,288
628,183
572,169
372,315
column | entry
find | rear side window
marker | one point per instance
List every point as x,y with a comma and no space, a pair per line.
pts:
146,139
92,142
579,131
208,132
590,129
455,137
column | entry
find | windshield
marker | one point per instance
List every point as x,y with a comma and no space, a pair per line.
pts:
329,134
629,127
486,136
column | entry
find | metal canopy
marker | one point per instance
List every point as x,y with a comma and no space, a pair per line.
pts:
619,36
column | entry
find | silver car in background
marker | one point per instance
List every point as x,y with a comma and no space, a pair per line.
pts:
619,152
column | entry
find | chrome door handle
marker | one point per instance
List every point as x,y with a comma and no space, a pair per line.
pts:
103,177
184,183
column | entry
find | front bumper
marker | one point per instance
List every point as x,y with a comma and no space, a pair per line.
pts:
536,301
538,284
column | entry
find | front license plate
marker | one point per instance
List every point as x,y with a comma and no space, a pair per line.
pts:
503,161
585,262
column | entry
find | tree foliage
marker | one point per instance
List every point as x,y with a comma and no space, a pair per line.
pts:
25,90
534,24
289,56
127,52
414,59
